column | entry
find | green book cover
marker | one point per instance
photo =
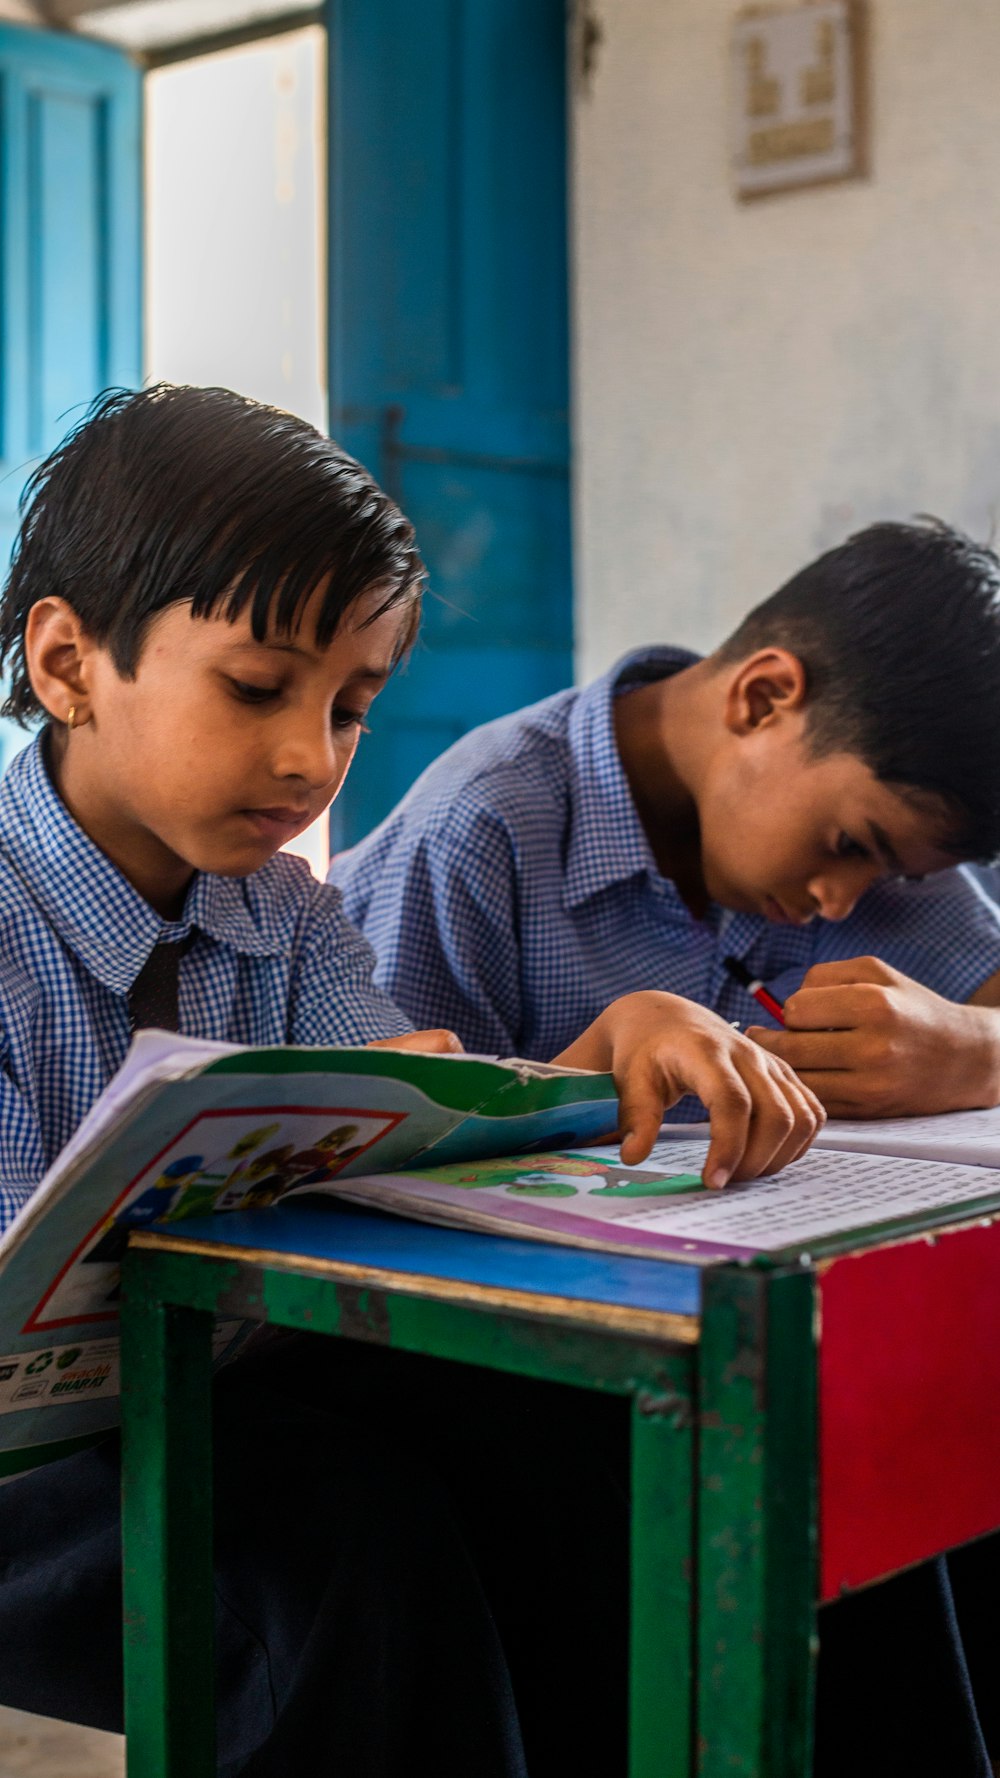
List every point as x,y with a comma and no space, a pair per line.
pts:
188,1128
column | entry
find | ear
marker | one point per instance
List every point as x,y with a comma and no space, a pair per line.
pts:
766,688
58,654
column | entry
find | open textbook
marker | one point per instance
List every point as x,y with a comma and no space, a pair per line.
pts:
188,1129
185,1128
857,1181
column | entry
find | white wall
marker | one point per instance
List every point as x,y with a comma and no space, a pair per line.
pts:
235,236
753,381
235,225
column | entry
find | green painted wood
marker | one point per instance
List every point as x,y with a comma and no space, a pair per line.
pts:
791,1506
660,1656
461,1332
167,1538
876,1234
165,1400
756,1546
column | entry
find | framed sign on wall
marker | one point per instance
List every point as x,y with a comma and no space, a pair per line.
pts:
798,95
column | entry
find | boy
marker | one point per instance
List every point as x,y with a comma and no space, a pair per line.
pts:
205,599
764,803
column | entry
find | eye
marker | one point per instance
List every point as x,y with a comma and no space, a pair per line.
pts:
342,718
848,848
253,694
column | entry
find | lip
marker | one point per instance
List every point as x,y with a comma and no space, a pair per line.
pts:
278,823
773,910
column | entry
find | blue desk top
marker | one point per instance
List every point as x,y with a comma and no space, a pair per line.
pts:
329,1230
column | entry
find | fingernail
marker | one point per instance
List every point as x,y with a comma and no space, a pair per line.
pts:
717,1180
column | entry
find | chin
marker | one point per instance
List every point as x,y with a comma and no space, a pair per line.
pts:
727,895
234,862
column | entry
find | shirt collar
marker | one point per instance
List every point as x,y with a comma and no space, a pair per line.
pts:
607,841
90,905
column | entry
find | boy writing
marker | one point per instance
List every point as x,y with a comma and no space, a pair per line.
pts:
766,803
205,599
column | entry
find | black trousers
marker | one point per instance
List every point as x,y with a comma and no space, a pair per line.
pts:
424,1568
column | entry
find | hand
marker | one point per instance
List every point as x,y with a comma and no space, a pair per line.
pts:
427,1043
659,1047
872,1043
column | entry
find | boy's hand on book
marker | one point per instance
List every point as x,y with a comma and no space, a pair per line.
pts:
872,1043
660,1046
426,1043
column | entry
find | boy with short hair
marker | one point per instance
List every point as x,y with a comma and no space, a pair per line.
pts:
205,599
768,803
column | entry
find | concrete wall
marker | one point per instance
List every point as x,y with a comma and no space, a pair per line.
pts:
753,381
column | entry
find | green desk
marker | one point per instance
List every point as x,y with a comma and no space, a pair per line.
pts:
864,1378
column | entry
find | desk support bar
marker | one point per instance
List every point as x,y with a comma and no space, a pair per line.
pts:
662,1589
756,1543
167,1538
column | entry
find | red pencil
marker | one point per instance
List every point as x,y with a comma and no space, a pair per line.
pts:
754,987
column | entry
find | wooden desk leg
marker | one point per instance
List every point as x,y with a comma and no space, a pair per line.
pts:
167,1535
660,1656
756,1553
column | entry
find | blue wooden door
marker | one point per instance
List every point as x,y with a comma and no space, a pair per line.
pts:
448,349
70,248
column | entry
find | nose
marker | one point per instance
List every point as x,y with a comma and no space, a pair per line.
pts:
307,750
837,893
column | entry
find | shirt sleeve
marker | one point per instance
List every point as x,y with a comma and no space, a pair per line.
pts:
22,1153
439,904
943,931
334,997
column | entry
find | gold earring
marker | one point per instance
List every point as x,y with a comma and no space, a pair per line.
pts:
71,716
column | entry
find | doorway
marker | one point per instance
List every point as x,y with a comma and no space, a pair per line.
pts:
235,209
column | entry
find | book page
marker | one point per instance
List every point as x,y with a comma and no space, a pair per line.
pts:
972,1137
969,1137
587,1197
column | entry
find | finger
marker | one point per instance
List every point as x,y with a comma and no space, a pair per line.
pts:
644,1093
849,970
773,1127
810,1050
729,1104
428,1043
786,1119
839,1009
843,1094
816,1118
809,1118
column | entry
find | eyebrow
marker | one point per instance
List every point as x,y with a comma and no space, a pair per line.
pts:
305,654
251,645
885,848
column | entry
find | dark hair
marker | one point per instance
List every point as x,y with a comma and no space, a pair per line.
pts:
899,633
174,493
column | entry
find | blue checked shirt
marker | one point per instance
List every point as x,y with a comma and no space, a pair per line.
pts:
273,961
513,893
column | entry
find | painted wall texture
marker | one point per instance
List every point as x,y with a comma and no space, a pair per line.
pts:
754,381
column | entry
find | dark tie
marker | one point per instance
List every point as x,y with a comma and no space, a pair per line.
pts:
152,998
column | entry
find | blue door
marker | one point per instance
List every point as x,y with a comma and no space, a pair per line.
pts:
449,349
70,248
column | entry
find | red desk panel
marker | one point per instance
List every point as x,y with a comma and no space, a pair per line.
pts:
909,1402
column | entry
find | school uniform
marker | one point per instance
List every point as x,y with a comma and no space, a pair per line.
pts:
513,893
354,1630
267,959
396,1591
